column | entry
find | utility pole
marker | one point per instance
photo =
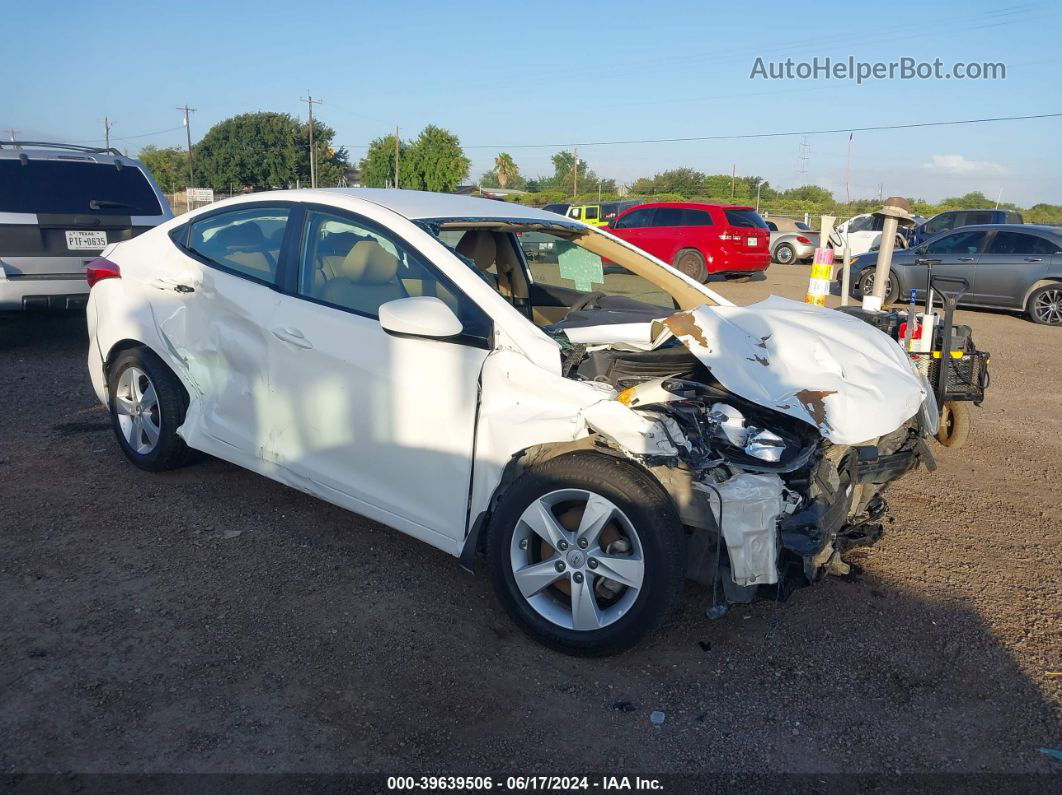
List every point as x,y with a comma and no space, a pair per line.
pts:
188,134
733,181
848,174
398,147
310,102
106,132
11,133
575,175
803,160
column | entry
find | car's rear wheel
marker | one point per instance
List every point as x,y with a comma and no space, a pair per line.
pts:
586,554
147,407
1045,305
691,262
866,286
785,254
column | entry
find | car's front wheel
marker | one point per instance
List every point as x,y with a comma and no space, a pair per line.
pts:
785,254
866,286
586,554
147,408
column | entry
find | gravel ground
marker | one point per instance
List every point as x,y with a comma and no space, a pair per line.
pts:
211,620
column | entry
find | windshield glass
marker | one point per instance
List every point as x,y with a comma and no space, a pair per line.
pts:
548,270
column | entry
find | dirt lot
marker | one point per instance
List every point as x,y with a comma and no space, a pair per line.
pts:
211,620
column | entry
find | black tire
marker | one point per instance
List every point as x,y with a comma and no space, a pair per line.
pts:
892,288
691,262
660,536
785,254
1045,305
955,423
169,451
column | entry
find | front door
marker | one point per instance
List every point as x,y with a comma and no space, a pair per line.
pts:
381,424
954,255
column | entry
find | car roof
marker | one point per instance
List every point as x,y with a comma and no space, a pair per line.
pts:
72,154
1043,229
417,205
690,206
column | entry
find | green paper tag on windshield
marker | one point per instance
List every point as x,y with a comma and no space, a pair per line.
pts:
581,266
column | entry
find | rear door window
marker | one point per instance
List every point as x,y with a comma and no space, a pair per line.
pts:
591,214
67,187
1008,243
668,216
696,218
986,217
246,242
745,218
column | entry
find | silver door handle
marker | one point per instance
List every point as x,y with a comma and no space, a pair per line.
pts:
1034,259
966,259
292,336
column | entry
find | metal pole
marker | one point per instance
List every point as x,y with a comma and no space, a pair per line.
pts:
846,275
758,186
188,134
881,271
398,147
106,132
733,181
575,177
310,102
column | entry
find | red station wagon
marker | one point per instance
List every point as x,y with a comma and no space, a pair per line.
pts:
698,239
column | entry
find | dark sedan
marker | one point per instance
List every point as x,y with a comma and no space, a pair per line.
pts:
1017,267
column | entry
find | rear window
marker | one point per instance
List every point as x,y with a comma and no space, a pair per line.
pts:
1014,218
57,186
745,218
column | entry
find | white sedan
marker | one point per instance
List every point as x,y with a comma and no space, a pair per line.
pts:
598,433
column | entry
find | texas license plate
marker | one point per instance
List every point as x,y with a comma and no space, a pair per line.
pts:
78,239
752,241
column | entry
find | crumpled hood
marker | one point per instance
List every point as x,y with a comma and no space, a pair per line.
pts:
827,368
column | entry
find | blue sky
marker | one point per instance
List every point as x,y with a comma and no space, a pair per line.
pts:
504,75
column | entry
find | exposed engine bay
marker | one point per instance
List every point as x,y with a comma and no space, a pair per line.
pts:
769,500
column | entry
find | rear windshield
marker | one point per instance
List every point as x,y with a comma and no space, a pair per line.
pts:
746,218
57,186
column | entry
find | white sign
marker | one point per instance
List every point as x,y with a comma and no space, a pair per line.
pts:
200,194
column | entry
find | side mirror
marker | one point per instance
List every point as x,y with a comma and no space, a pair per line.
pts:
419,316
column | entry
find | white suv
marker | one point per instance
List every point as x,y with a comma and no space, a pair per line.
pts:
60,206
598,434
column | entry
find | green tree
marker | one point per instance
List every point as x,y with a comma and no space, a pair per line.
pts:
438,159
265,150
169,166
507,170
810,194
378,165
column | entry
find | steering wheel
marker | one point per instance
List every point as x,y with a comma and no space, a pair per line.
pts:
588,301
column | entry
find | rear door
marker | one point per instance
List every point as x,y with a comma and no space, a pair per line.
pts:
1012,262
58,212
214,303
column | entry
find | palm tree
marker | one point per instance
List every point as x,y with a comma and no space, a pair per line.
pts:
506,169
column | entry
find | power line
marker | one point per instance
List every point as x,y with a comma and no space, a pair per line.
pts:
770,134
126,137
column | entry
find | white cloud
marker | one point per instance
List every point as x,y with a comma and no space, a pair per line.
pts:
958,164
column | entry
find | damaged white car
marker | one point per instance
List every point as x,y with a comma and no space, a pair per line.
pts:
597,425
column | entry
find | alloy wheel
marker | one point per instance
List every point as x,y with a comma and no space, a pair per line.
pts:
1048,306
137,405
577,559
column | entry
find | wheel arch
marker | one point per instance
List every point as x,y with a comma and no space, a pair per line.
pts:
1045,282
128,344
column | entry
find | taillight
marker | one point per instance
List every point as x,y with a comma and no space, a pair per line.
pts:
803,240
100,269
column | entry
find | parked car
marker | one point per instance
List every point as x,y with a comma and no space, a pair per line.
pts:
698,239
1017,267
600,214
862,233
791,241
60,206
953,219
392,352
559,209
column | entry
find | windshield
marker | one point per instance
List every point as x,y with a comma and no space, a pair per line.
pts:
58,186
548,270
